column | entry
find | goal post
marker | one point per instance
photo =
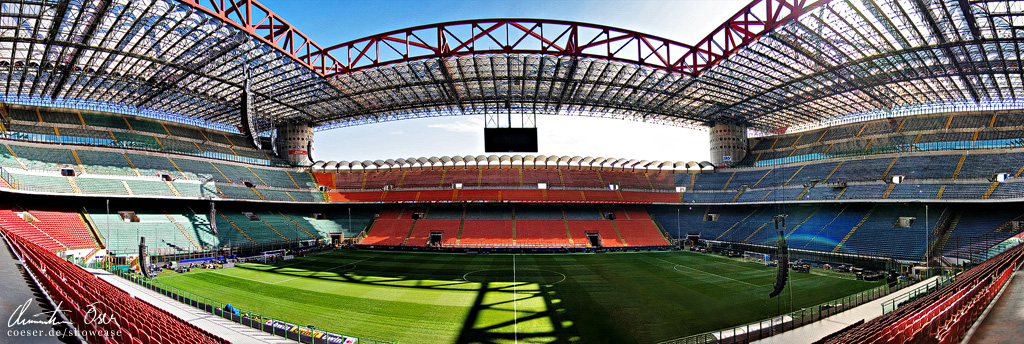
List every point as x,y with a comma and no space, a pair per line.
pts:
755,257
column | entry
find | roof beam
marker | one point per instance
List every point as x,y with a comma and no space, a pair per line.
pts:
192,68
937,33
965,8
567,83
85,38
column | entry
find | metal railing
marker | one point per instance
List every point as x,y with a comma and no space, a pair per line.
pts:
9,179
916,293
787,322
899,148
101,142
264,323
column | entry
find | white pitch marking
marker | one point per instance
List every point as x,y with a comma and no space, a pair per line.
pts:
294,278
465,277
675,265
353,264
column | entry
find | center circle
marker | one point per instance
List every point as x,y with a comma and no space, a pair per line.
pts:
538,276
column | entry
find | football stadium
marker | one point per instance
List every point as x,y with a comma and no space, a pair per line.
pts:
158,182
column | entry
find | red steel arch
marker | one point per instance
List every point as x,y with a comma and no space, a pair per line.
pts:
260,22
521,36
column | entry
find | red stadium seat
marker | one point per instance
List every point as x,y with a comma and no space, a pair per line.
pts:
78,290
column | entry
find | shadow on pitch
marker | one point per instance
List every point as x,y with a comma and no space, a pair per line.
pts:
501,312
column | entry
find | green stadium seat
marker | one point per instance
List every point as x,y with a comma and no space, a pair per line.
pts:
106,163
100,186
43,183
146,125
106,121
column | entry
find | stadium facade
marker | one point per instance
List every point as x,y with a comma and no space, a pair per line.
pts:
888,132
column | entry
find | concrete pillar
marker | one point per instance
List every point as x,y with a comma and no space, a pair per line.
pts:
728,144
293,140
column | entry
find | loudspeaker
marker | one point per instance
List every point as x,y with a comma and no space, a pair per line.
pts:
780,279
783,256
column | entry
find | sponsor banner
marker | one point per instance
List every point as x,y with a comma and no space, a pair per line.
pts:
336,339
278,325
307,332
297,152
329,337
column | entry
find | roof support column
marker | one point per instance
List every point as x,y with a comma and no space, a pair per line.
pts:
728,143
295,143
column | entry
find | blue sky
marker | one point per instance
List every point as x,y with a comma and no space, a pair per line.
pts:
330,22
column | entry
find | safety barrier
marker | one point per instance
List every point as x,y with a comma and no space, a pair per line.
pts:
943,316
253,320
787,322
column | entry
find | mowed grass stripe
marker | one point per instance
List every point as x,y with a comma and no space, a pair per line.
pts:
365,308
424,298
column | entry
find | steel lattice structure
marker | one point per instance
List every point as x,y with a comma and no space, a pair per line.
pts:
775,64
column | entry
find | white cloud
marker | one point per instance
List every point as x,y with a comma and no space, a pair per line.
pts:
462,125
558,135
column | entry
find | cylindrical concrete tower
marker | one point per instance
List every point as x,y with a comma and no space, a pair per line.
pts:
294,142
728,144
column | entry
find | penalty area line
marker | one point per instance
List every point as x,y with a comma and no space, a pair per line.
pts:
676,265
353,264
515,309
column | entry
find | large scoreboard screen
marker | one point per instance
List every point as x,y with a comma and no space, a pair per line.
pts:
510,140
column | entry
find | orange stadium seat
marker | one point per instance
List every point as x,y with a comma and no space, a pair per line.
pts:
373,196
620,214
541,232
637,213
469,177
522,195
436,195
564,196
421,233
664,181
492,232
649,197
500,177
604,228
376,180
601,196
421,179
582,179
640,233
477,195
392,214
346,180
388,232
532,177
626,179
325,179
400,196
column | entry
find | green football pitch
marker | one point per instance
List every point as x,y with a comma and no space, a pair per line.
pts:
496,298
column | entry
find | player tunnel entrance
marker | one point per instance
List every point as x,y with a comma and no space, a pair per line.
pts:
595,239
435,239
